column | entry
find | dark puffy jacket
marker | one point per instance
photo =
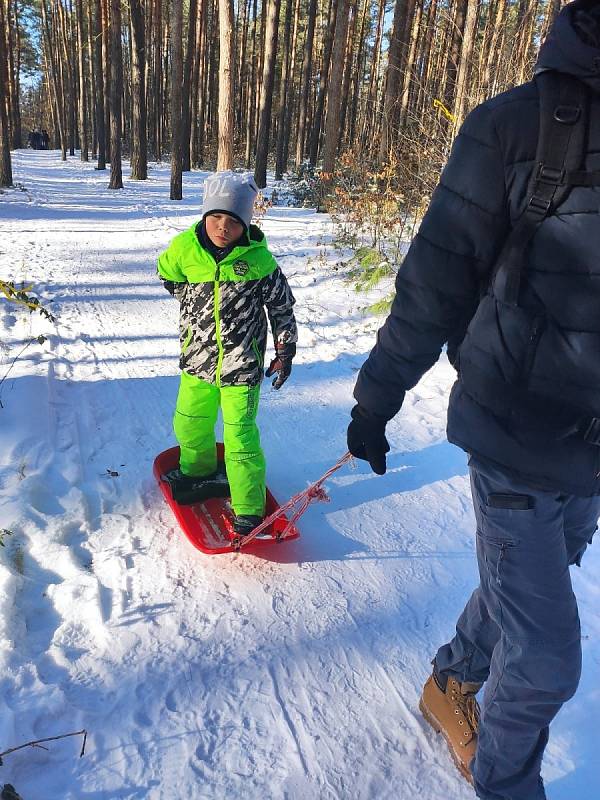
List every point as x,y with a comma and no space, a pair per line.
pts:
528,378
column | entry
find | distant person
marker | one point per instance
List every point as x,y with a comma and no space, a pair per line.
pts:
33,139
223,275
45,139
526,404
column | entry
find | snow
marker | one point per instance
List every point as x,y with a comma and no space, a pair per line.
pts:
291,674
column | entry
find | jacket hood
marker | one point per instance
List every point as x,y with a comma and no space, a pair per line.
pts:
573,43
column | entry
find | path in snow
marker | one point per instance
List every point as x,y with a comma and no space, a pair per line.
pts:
293,674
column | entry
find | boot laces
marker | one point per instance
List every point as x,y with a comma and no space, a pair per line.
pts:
469,707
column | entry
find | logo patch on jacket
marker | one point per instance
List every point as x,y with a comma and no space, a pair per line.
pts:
240,268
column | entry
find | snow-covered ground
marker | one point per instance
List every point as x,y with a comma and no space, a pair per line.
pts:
294,674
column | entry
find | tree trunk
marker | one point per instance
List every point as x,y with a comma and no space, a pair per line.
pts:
190,60
291,102
225,149
358,73
283,89
96,16
315,137
266,94
116,93
91,77
176,79
409,76
12,39
349,68
425,66
157,79
370,116
198,104
139,144
106,72
251,98
398,44
5,161
466,52
456,33
334,95
83,130
306,80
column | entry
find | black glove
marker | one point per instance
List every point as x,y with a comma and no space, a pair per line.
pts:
366,438
170,286
282,363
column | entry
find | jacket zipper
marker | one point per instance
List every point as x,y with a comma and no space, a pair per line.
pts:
217,296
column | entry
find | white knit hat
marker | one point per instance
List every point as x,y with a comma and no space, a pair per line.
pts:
230,193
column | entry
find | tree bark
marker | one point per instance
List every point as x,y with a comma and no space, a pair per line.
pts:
139,144
251,96
369,117
412,32
396,56
334,94
198,104
96,17
83,129
464,66
106,71
306,79
283,89
225,147
266,94
12,38
5,160
315,137
116,93
176,111
292,93
188,71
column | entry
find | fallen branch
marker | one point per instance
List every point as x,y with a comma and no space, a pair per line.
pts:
38,742
40,340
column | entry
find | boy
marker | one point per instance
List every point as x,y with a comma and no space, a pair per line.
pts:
223,275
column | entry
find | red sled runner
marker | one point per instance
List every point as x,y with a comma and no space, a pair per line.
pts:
208,523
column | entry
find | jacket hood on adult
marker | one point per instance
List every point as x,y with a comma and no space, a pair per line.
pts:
573,43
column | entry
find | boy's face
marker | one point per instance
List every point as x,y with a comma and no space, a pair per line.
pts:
222,229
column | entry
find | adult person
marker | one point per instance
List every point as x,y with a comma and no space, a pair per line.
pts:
525,407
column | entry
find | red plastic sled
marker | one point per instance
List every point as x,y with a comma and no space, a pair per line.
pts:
208,523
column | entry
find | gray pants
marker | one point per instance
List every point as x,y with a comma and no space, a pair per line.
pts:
519,633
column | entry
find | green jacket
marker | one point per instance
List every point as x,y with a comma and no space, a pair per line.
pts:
223,326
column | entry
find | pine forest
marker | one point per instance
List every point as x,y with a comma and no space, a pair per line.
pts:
287,86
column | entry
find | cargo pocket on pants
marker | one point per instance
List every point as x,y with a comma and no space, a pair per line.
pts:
504,520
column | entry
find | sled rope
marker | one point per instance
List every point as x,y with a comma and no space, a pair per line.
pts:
300,502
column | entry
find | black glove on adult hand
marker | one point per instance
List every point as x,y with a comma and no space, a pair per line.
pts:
281,365
366,438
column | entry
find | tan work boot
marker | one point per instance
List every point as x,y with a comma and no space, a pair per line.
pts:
454,713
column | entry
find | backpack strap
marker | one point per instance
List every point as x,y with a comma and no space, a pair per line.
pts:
564,113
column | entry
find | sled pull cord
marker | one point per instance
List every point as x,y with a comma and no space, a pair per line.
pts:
300,502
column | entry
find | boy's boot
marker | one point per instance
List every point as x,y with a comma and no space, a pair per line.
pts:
188,489
451,709
243,524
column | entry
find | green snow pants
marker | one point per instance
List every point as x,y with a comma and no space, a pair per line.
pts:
194,425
